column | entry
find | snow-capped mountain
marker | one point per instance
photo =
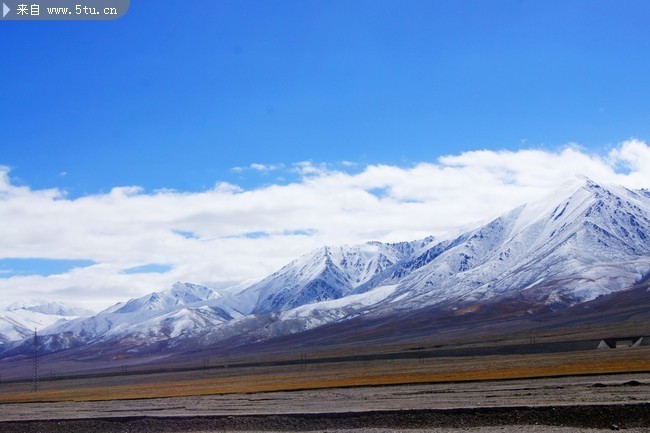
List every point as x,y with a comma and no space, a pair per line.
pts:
327,273
180,294
584,241
184,309
19,319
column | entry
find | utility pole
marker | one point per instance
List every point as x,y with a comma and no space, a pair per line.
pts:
35,377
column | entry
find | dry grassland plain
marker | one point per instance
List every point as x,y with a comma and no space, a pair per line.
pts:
321,375
565,392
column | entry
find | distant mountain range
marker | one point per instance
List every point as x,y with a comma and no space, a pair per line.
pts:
21,319
583,242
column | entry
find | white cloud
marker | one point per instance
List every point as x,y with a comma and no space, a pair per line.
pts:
308,168
633,156
127,227
265,167
256,166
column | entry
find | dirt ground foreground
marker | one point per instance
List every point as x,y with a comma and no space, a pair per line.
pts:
567,404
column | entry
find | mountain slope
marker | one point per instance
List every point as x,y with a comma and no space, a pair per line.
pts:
20,319
178,295
177,312
326,274
584,241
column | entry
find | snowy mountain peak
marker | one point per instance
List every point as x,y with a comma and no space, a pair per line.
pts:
178,294
583,241
330,272
47,307
191,293
580,242
20,319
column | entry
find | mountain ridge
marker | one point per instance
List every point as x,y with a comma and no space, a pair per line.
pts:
20,319
582,242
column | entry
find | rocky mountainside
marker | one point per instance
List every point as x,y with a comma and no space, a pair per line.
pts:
327,273
584,241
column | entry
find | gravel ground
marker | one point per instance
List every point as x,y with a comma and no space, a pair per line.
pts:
577,418
567,404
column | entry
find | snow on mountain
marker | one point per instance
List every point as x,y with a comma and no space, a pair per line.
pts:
584,241
19,319
325,274
178,294
312,315
182,310
47,307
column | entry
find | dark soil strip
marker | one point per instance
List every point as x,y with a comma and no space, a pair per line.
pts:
603,417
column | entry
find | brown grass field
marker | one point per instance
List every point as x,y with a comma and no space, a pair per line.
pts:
329,375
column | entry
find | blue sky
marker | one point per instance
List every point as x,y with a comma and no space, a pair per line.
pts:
45,267
175,96
285,125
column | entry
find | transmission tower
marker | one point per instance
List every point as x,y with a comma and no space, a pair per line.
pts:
35,377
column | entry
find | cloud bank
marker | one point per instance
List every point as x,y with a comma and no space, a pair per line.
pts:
227,234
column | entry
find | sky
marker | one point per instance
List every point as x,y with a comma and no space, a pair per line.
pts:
215,141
